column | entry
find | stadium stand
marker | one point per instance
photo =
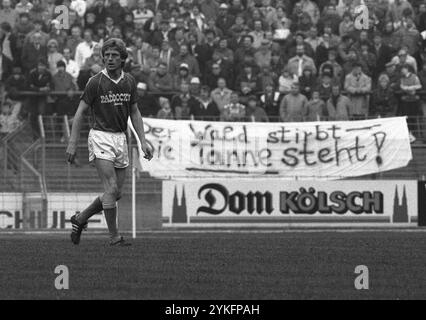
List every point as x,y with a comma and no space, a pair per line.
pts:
189,56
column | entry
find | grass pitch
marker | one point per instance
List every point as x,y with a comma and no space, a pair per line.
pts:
216,265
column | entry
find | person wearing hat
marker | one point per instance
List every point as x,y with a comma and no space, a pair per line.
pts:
195,87
183,76
224,20
147,104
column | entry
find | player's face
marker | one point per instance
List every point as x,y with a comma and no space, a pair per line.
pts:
112,59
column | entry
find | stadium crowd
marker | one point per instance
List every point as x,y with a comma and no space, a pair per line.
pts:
235,60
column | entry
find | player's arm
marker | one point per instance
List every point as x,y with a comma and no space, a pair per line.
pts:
75,131
137,123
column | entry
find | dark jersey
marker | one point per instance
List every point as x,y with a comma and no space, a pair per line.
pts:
110,101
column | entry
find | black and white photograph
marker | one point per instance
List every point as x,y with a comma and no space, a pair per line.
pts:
217,157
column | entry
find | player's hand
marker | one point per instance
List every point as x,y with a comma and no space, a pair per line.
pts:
71,153
148,153
71,157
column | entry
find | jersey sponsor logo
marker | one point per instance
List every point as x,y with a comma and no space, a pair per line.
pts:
116,98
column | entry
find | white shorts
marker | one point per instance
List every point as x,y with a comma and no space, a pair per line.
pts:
111,146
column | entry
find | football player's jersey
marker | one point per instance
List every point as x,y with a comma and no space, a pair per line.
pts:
110,101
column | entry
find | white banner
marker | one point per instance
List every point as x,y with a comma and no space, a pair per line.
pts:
305,150
60,208
235,200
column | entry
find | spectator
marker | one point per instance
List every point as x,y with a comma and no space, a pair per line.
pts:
410,100
213,76
166,111
286,80
161,80
84,49
393,74
404,58
14,83
195,87
243,51
263,55
204,52
338,105
38,29
270,101
85,75
221,95
313,39
8,50
224,52
166,54
293,105
297,64
224,20
152,60
249,77
307,82
142,14
316,108
8,14
210,9
254,112
71,66
337,71
358,86
74,39
53,56
325,85
23,6
258,35
22,27
39,80
161,34
185,58
32,53
183,76
383,102
183,103
233,111
9,120
266,76
147,104
207,109
116,11
99,11
382,52
346,26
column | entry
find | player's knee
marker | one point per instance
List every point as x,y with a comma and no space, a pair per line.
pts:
110,197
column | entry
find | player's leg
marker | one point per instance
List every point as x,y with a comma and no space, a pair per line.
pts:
108,176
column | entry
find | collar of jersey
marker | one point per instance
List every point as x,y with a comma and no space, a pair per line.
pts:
115,81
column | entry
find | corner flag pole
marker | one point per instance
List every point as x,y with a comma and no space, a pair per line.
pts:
136,164
133,202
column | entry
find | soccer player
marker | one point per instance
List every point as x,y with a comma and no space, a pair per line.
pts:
111,97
